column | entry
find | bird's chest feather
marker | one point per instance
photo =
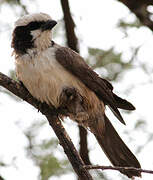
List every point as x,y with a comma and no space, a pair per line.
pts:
44,77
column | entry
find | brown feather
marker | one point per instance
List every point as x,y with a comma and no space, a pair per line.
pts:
122,103
116,150
77,66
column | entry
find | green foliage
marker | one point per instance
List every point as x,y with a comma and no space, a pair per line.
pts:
51,166
124,25
140,124
11,2
110,62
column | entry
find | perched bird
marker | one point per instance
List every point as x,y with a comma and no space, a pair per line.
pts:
60,77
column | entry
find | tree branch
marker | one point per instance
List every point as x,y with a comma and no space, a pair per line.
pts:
1,178
118,168
84,152
139,8
52,116
72,40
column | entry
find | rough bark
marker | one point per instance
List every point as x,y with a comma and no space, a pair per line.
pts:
52,116
72,42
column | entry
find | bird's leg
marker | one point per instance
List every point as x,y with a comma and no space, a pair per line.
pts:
71,100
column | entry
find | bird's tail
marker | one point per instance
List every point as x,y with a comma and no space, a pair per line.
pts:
116,150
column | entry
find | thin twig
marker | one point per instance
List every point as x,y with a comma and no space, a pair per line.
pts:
118,168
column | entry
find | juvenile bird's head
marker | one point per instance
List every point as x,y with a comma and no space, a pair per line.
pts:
32,31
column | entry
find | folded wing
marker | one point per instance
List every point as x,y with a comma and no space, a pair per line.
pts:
75,64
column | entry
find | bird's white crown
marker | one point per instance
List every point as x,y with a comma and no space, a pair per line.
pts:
23,21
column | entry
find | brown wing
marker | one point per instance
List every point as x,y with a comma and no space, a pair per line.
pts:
74,63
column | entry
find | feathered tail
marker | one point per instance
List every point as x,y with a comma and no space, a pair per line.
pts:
116,150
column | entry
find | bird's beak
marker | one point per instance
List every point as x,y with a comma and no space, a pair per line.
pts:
48,25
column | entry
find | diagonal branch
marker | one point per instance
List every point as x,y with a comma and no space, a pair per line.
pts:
140,9
52,116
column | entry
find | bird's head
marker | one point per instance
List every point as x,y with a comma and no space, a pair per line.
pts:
32,31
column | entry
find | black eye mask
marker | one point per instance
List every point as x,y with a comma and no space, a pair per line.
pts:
34,25
22,38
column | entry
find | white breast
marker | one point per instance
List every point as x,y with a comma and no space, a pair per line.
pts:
44,77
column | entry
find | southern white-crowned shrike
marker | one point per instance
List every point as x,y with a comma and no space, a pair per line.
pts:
59,76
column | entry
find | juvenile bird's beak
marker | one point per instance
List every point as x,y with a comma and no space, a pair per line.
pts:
48,25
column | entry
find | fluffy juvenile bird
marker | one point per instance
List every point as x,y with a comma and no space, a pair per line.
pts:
59,76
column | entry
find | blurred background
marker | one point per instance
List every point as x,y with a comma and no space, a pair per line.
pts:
115,37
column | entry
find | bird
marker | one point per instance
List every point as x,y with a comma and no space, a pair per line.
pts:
60,77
